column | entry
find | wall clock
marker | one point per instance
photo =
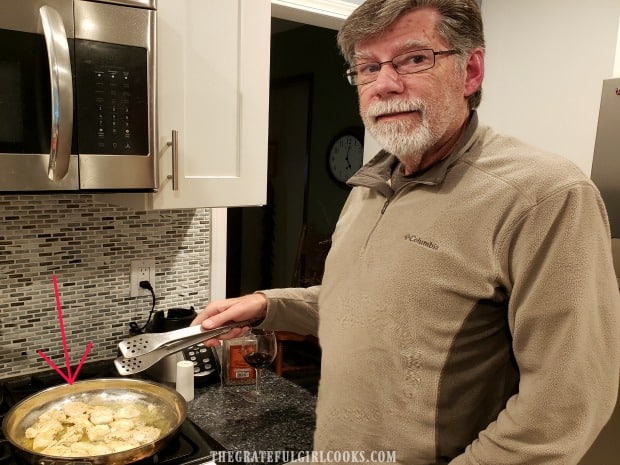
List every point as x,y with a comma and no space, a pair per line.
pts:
345,154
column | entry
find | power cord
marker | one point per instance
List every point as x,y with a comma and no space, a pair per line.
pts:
133,326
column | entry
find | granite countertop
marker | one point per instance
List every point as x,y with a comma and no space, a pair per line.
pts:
284,422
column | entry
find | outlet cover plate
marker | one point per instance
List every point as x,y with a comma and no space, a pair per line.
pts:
141,270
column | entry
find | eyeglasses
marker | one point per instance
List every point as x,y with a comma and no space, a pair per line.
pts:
407,63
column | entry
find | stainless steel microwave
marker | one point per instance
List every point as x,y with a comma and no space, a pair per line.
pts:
77,95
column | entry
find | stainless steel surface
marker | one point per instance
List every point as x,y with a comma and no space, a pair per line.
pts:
27,19
145,343
162,345
62,92
127,26
96,391
114,24
174,143
150,4
14,167
125,22
606,160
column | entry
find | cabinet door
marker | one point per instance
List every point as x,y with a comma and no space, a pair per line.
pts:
213,89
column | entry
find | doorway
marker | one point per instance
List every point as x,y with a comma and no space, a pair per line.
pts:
310,102
263,241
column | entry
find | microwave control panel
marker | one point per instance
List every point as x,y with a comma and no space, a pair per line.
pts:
112,87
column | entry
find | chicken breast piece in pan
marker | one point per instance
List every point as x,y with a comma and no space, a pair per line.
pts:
54,414
120,428
42,440
98,433
72,434
85,449
48,426
127,412
75,408
100,415
81,419
145,434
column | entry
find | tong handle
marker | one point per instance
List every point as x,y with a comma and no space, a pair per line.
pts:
190,340
135,346
186,337
181,333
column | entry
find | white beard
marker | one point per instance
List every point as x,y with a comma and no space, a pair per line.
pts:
400,138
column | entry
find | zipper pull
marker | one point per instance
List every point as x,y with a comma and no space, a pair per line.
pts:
385,205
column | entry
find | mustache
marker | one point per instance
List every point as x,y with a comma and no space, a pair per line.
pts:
387,107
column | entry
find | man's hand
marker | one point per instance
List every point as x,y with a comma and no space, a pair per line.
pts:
252,307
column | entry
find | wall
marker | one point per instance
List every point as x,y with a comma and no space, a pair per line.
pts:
544,77
545,64
88,246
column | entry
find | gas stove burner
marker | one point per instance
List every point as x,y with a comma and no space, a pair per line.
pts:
190,446
6,453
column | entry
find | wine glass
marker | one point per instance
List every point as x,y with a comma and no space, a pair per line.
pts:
259,348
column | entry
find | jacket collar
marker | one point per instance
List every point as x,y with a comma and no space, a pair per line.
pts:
378,172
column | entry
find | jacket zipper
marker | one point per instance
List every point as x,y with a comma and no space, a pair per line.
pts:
385,206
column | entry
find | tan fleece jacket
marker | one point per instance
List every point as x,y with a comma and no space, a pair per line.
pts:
471,316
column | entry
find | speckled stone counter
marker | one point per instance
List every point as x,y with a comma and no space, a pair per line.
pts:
285,422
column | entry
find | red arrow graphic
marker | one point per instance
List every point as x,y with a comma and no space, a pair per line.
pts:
69,378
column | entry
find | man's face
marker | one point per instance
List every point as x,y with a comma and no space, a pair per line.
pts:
415,114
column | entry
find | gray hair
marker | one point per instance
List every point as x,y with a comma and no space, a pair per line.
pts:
460,26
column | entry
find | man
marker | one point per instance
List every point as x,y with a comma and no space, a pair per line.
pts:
469,311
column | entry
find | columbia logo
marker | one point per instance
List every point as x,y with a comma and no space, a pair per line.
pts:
420,241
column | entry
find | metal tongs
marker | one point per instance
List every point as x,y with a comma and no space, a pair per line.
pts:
144,350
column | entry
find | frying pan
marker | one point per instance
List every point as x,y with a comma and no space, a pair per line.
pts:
170,403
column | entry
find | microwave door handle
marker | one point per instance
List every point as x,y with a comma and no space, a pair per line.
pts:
62,92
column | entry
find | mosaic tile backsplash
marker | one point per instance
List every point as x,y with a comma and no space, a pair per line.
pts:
88,246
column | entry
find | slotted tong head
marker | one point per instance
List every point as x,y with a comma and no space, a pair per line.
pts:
144,350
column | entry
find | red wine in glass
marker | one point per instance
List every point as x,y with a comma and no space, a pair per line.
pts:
259,348
258,359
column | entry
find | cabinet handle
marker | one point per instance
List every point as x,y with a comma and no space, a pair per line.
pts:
175,160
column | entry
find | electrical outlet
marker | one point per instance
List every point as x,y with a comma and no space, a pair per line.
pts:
141,270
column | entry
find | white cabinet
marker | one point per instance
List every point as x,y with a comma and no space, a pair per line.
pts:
213,89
